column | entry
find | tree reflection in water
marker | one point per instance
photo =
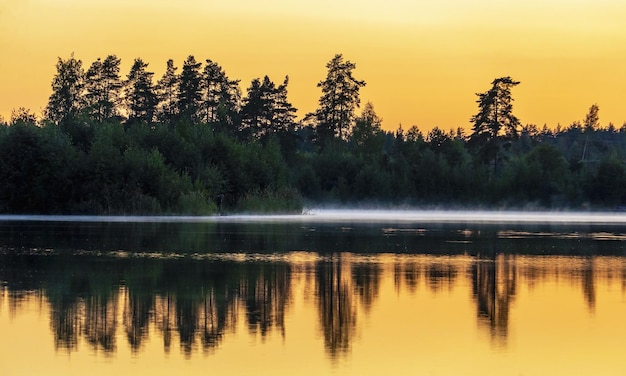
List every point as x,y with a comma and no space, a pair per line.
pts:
336,307
494,284
199,302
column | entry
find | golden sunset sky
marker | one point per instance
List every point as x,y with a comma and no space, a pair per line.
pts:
423,61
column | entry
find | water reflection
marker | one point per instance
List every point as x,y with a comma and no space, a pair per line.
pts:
494,282
197,303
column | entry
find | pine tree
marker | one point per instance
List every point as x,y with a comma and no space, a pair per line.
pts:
592,120
258,110
140,95
221,96
495,121
213,79
366,131
266,108
189,89
103,88
285,112
66,99
340,98
167,93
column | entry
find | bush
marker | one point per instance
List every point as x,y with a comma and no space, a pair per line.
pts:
195,203
284,200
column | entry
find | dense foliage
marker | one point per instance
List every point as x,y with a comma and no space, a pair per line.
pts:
192,144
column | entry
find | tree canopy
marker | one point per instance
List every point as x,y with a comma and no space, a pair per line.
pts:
109,145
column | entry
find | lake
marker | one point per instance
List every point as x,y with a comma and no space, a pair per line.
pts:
329,292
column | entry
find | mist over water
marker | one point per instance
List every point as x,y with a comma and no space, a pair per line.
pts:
456,216
356,216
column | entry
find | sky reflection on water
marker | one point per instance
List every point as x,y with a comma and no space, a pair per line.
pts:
490,307
358,298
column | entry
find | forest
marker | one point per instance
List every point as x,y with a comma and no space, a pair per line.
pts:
193,143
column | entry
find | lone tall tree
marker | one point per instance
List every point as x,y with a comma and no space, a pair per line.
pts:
495,121
592,120
340,98
67,90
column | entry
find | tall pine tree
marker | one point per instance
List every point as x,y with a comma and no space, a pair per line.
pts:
340,97
190,90
495,121
167,93
140,95
103,88
67,89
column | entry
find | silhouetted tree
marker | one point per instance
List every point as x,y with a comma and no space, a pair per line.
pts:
167,90
495,120
592,122
437,138
23,115
189,89
340,97
103,88
141,98
67,90
367,131
266,109
258,106
213,80
413,134
284,111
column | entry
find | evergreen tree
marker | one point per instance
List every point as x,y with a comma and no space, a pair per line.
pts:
167,92
67,89
213,79
284,111
141,98
495,120
414,134
340,98
103,88
221,96
266,108
592,120
258,108
367,131
189,89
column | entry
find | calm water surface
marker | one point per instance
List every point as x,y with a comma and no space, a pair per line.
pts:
340,293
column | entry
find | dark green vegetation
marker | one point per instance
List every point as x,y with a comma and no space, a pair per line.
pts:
113,145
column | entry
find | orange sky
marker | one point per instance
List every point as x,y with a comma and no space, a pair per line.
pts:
422,60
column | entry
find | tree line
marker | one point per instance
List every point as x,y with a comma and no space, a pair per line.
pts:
191,142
